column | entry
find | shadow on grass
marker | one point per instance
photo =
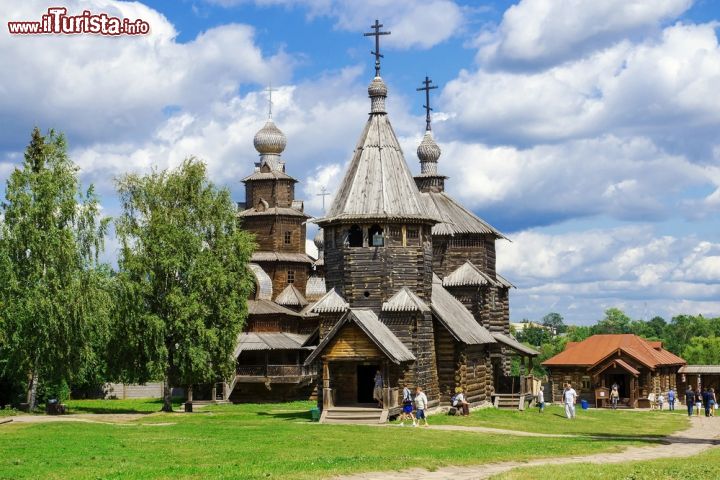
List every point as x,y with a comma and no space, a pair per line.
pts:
288,416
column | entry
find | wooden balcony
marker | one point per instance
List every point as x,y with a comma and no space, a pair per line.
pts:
275,373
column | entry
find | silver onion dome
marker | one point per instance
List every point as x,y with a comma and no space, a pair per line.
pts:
319,240
428,152
270,139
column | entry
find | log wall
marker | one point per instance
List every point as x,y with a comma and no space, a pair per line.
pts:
277,192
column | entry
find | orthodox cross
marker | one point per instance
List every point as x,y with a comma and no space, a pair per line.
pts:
427,108
269,90
323,193
376,34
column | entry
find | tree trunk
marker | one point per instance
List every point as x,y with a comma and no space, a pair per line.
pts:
167,395
32,390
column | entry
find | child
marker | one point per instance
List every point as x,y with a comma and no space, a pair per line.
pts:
421,402
541,400
660,401
407,410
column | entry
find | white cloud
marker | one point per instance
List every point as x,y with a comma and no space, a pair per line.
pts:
542,32
101,88
661,88
580,274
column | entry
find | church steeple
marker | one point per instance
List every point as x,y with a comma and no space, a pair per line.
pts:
428,151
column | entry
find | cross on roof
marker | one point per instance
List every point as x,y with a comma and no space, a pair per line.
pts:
269,90
427,108
323,193
376,34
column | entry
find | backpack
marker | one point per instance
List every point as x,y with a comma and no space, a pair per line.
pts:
453,400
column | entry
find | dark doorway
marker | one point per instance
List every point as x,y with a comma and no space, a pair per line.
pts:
366,383
619,379
355,236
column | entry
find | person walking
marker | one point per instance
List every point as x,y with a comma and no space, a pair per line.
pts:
689,400
698,401
570,399
614,396
671,400
541,400
421,403
706,401
407,411
378,389
713,402
660,401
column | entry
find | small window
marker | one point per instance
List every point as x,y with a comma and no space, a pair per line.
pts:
586,383
355,236
376,236
290,276
288,238
412,233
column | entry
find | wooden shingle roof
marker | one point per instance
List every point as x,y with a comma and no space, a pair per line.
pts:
378,183
597,348
456,318
378,332
455,219
250,341
405,301
281,257
468,274
266,307
315,288
292,297
331,302
263,282
509,341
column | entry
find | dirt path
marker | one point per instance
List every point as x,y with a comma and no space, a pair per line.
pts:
103,418
703,434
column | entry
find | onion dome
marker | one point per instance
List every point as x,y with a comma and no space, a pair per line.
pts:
319,240
270,140
377,91
428,152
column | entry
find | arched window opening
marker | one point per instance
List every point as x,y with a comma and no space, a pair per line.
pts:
377,239
355,236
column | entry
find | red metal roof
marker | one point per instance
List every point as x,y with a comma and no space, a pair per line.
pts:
598,347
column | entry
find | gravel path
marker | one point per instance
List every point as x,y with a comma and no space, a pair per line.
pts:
104,418
703,434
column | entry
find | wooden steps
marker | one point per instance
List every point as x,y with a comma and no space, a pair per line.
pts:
354,415
510,401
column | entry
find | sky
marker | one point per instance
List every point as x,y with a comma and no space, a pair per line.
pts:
587,132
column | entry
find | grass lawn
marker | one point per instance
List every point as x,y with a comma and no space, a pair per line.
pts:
250,441
135,405
588,422
702,467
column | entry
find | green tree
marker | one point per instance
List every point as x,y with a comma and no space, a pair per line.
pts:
702,351
183,279
53,233
555,322
578,333
615,321
683,328
534,335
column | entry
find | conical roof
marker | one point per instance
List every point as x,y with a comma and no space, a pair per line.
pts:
378,183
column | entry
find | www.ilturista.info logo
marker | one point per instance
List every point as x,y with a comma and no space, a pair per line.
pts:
57,21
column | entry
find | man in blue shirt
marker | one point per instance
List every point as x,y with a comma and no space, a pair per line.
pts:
690,400
671,399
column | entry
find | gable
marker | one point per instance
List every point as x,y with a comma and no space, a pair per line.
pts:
351,342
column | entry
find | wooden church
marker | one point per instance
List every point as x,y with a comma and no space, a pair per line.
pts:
405,283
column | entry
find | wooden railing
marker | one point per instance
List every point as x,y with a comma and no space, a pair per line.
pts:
276,370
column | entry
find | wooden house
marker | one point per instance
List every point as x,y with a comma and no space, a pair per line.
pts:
639,367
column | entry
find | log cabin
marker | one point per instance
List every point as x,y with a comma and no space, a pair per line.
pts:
641,369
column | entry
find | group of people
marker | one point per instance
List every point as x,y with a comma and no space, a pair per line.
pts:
419,401
696,400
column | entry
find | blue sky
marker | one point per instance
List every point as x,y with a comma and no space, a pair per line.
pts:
589,135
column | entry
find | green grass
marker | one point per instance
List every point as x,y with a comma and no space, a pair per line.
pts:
588,422
135,405
702,467
250,441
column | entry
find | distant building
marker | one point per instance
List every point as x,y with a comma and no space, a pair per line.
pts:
521,326
639,367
